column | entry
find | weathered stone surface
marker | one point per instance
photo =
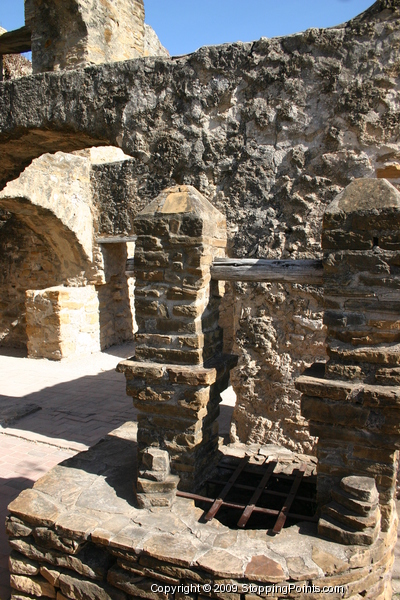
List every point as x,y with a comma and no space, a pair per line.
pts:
151,44
51,575
171,549
54,194
104,32
363,488
298,570
221,563
20,565
35,508
334,530
79,589
16,528
37,586
70,232
262,568
347,500
75,525
291,174
350,518
138,587
131,555
329,563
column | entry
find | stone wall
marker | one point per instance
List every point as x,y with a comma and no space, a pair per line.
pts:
50,220
15,65
74,33
27,262
116,297
352,400
178,371
268,131
62,322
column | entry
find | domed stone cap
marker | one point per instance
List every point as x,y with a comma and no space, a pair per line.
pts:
185,200
372,199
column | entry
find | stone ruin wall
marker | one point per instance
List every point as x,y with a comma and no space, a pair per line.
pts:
27,262
55,300
269,132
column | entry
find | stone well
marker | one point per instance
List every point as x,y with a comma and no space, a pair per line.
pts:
84,531
78,534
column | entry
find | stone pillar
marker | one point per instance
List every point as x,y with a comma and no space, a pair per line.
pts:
70,34
353,402
178,370
62,321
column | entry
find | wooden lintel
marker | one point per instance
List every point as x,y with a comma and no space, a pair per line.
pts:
15,42
116,239
281,271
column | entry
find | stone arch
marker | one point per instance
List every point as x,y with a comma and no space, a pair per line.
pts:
52,198
50,225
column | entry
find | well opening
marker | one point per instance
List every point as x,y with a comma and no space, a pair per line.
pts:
259,492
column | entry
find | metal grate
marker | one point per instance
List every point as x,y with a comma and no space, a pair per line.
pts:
260,487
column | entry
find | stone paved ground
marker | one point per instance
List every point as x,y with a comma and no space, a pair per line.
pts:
79,402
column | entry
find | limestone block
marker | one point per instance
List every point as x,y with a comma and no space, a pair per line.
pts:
76,33
155,459
151,44
20,565
37,586
59,323
57,186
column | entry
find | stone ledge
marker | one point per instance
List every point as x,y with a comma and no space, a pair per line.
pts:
361,394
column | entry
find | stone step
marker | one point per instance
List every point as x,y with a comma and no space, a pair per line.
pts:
350,519
348,501
362,488
333,530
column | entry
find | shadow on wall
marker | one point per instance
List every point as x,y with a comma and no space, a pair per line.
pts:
116,301
27,262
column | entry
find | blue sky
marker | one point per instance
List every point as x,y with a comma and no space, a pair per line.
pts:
184,25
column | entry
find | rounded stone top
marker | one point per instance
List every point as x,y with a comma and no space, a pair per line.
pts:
180,199
366,195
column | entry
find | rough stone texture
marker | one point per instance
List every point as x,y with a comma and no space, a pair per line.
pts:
15,65
347,526
57,188
268,131
68,34
27,262
49,227
62,322
354,416
178,371
151,44
124,551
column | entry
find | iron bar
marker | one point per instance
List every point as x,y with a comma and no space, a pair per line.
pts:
219,501
289,500
258,509
251,488
257,493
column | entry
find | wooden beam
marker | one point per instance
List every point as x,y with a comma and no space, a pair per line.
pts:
116,239
281,271
15,42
